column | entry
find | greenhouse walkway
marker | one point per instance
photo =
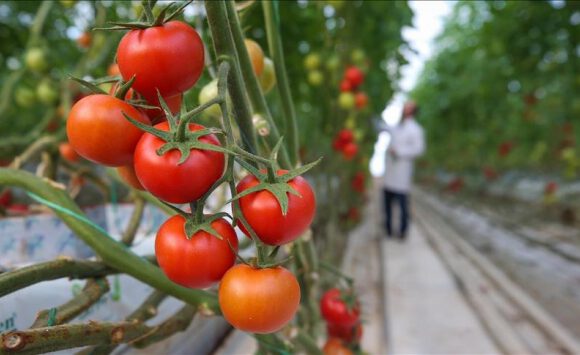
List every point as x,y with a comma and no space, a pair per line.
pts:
434,294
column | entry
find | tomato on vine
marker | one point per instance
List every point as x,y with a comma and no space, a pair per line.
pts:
259,300
263,212
127,173
256,56
174,182
335,346
200,261
336,310
167,57
98,131
68,153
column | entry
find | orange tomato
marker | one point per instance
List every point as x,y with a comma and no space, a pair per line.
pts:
68,153
334,346
84,41
256,56
127,173
259,300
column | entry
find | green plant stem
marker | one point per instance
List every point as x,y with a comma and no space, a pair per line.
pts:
277,54
254,90
224,46
134,221
111,252
307,343
17,279
94,289
38,23
146,311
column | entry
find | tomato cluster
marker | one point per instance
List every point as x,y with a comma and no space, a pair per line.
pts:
345,144
349,87
180,162
341,311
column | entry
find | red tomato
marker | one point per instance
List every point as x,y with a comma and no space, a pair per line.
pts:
489,173
455,185
335,346
345,86
127,173
259,300
183,183
68,153
334,309
358,182
349,151
198,262
168,58
361,100
348,334
98,131
18,209
6,198
343,137
505,148
550,188
84,41
354,75
263,213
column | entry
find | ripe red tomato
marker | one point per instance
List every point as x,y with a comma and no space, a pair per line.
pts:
348,334
198,262
168,58
361,100
335,311
68,153
259,300
183,183
349,151
335,346
345,86
6,198
354,75
343,137
98,131
550,188
263,213
505,148
358,182
127,173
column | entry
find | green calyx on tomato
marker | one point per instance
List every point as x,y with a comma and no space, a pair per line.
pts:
178,137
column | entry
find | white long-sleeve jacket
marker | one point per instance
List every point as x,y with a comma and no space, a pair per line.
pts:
407,143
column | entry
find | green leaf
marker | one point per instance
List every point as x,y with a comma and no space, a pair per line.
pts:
299,171
92,87
149,129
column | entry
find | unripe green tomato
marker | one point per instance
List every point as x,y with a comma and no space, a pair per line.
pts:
46,92
68,3
315,77
350,123
207,93
346,100
357,56
337,4
312,61
24,97
35,59
268,77
358,135
333,63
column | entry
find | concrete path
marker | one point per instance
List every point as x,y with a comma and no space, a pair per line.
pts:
426,312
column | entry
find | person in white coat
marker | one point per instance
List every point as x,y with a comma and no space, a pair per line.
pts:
407,143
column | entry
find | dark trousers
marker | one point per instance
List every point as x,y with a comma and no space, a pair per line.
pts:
403,201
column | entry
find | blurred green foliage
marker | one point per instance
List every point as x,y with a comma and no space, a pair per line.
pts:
505,72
